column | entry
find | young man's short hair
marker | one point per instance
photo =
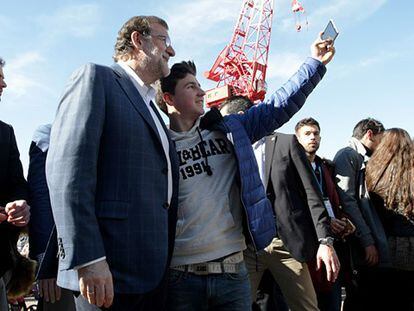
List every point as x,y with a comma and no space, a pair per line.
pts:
2,62
364,125
236,104
142,24
167,84
307,122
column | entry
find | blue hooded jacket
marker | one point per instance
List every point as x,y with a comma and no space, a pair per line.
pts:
259,121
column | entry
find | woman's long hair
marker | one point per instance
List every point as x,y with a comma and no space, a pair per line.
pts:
390,171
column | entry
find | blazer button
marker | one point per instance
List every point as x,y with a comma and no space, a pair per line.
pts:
166,205
164,171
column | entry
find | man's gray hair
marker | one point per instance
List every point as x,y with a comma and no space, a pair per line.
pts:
2,62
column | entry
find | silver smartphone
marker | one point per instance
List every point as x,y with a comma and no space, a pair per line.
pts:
330,31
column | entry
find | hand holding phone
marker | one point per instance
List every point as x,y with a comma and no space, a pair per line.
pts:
330,31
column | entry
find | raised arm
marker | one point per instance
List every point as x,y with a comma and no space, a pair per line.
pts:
264,118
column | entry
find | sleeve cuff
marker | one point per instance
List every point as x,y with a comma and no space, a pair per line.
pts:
89,263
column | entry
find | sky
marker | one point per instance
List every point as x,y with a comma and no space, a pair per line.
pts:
44,41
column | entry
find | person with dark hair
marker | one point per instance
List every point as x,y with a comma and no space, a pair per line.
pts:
219,182
112,173
304,235
308,133
368,247
390,182
14,212
235,104
41,228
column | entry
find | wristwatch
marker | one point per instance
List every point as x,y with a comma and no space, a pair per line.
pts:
329,241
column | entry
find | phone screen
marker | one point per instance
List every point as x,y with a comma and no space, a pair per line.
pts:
330,32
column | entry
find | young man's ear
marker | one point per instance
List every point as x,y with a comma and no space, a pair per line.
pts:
370,134
168,98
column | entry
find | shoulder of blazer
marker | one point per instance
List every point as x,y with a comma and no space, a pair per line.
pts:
5,131
4,125
283,138
118,70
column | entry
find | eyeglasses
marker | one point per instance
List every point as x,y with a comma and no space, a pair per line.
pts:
165,39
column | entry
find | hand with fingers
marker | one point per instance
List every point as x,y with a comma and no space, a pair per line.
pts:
327,255
49,290
337,226
371,255
96,285
323,50
18,213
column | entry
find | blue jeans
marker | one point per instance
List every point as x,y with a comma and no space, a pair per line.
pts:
225,292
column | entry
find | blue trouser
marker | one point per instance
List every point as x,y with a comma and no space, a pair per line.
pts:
225,292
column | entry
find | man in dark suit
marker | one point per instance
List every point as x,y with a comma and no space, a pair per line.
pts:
14,211
302,221
112,174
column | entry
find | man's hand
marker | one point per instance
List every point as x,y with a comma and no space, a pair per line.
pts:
323,50
337,226
371,255
49,290
18,213
96,285
327,255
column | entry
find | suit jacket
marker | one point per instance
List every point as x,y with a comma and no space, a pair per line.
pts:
12,187
301,217
108,180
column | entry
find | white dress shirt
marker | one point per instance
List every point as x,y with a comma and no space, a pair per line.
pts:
259,153
148,94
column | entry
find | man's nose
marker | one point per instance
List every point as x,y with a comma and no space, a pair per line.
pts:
170,50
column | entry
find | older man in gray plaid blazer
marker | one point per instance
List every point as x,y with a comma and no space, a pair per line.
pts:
112,173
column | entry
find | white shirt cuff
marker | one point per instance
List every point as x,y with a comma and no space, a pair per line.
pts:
89,263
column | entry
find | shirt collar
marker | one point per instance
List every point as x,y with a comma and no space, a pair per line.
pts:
355,144
147,92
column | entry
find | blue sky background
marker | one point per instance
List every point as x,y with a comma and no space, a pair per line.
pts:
371,75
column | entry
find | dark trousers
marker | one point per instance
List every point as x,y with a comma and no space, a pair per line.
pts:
270,296
380,289
154,300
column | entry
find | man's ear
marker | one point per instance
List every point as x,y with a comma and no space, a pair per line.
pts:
136,39
369,134
168,98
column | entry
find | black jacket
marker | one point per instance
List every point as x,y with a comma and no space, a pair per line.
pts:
12,187
301,216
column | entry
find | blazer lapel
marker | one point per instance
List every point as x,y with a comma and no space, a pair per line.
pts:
269,151
134,97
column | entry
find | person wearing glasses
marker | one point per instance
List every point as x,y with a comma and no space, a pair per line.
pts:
112,173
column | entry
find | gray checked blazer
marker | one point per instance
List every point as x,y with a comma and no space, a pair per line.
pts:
107,175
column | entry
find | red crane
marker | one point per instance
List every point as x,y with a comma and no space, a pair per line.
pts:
240,69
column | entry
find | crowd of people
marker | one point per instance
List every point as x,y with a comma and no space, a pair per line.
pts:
215,211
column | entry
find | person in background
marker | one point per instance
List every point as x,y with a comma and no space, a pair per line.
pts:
390,182
41,228
328,293
16,273
368,247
